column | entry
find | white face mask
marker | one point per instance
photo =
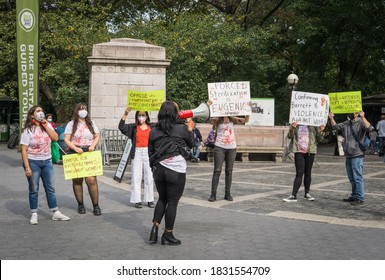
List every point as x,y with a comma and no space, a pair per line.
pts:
83,114
49,120
40,116
142,119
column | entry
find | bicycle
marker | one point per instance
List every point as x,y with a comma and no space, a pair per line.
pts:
14,139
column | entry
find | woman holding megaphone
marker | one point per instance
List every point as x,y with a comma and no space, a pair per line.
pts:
224,151
169,142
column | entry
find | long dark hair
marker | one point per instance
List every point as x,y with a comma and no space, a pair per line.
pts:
75,118
137,114
30,121
168,116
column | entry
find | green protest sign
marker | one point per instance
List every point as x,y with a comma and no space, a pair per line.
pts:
345,102
145,100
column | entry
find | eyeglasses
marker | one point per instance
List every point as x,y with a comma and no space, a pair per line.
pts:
142,116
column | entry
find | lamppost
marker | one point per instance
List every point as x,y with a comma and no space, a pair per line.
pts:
292,80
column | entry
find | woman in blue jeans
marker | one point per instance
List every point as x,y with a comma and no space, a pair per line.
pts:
36,155
168,140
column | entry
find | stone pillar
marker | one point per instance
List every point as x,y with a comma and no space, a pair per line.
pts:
118,66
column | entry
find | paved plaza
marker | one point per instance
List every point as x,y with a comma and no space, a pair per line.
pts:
256,225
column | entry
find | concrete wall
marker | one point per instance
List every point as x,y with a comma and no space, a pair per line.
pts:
118,66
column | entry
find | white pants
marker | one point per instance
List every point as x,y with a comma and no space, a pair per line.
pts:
141,165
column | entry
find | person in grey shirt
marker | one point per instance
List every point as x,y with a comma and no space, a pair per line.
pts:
381,130
354,156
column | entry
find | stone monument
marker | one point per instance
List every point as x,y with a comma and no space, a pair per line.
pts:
118,66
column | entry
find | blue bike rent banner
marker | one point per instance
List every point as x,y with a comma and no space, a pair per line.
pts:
27,22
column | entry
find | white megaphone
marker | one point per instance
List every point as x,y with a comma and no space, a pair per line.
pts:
202,112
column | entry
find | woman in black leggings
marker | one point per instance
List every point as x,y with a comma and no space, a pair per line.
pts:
304,140
168,143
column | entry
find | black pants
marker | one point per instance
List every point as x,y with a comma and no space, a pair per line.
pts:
223,155
170,186
303,165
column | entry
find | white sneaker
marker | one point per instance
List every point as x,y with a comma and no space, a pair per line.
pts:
57,216
309,197
33,220
291,198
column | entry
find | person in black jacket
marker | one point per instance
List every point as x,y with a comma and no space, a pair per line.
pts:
170,141
139,133
195,151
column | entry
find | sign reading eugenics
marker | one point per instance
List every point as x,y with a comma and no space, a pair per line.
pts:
308,108
229,99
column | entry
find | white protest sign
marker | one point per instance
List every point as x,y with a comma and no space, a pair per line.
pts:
229,99
262,112
308,108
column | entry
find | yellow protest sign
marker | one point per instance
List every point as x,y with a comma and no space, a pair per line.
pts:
82,165
345,102
145,100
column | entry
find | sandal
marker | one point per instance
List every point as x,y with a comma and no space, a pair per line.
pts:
97,211
81,209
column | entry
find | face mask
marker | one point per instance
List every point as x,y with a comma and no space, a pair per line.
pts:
83,114
40,116
142,119
49,120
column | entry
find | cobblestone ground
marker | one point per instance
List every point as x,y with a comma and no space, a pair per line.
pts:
256,225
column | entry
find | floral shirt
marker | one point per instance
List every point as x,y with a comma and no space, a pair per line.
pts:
38,142
82,136
225,136
303,139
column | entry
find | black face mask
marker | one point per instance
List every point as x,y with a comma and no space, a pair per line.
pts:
351,117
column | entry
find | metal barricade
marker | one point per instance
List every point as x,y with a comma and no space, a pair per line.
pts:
112,143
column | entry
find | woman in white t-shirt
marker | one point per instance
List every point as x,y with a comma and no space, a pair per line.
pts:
82,135
224,151
35,144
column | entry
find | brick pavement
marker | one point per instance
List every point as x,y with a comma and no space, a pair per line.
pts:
256,225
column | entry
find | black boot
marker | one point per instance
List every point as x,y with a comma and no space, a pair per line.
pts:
154,234
228,197
169,239
212,198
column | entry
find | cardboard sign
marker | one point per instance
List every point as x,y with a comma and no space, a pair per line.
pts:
308,108
345,102
262,112
119,173
229,99
145,100
82,165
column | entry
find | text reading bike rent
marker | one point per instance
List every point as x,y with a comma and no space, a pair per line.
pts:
218,270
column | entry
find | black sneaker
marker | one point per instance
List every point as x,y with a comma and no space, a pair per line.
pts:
212,198
228,197
350,199
151,204
357,202
138,205
81,209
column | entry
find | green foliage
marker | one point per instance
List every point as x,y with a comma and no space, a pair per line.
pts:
331,45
